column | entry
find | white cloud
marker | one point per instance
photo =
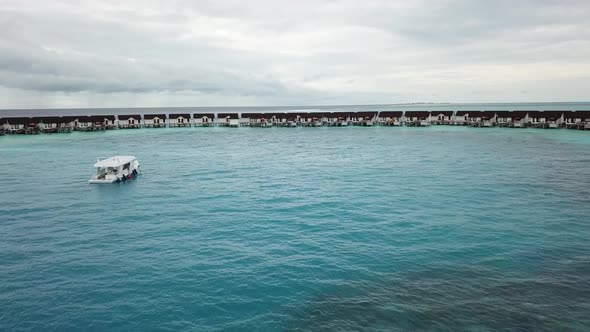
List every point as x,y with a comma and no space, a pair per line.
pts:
187,53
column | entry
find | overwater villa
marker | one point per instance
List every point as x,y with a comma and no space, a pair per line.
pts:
362,118
314,119
441,117
203,119
179,120
474,118
519,119
154,120
545,119
304,119
515,119
56,124
290,120
585,116
389,118
228,120
335,119
21,125
281,120
308,119
488,119
94,122
503,118
577,120
129,121
417,118
256,119
461,118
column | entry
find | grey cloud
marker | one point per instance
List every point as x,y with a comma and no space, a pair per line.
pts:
296,52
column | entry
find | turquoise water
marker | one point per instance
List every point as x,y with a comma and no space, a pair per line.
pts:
298,229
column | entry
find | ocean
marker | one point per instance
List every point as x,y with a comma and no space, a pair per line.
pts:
556,106
298,229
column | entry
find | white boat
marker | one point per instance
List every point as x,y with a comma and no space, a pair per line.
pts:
115,169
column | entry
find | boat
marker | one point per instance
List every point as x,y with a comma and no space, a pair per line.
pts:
115,169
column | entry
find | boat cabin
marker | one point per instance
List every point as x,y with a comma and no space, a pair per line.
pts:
115,169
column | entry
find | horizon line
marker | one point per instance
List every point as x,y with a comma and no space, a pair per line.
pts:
306,106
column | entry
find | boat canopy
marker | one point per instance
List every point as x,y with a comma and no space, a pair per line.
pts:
115,161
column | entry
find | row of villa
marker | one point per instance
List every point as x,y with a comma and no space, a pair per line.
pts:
516,119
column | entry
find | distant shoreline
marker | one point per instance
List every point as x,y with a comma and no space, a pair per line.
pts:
422,106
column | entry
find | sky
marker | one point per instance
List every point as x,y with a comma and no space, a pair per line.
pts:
65,53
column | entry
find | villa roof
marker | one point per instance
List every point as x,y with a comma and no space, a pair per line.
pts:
179,115
129,116
20,120
417,114
363,114
227,115
445,113
115,161
482,114
335,114
518,114
391,113
476,114
52,119
582,114
202,115
546,114
462,113
95,118
255,115
568,114
153,116
264,115
281,115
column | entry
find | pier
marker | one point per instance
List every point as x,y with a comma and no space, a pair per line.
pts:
550,119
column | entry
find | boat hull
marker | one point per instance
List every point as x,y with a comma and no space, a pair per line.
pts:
101,181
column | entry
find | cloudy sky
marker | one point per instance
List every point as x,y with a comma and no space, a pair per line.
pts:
66,53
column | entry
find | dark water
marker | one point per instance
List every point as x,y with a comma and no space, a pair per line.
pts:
390,229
